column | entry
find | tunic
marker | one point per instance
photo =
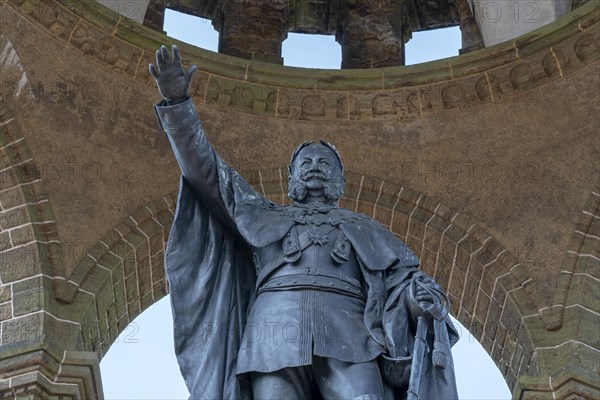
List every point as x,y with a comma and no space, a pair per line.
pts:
313,306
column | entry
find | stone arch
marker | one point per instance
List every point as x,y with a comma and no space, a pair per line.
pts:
487,286
123,274
573,315
580,264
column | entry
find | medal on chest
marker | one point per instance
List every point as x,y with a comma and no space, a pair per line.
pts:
315,226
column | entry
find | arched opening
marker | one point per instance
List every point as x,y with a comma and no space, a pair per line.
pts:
467,264
141,363
311,51
315,51
432,45
193,30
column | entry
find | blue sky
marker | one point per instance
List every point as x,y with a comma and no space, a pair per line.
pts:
141,363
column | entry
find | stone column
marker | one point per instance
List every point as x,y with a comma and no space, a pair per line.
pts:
471,36
372,34
41,340
252,29
155,15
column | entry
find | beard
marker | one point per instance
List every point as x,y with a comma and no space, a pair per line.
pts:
333,190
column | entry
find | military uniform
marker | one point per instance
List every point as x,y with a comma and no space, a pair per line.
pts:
310,299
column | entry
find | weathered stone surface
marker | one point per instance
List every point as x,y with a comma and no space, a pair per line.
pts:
155,15
73,375
253,30
19,263
5,242
22,235
31,295
28,327
5,311
5,293
372,35
15,217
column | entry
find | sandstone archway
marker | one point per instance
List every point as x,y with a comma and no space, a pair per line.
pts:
124,273
519,119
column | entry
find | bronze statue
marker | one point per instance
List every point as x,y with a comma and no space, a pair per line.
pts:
297,301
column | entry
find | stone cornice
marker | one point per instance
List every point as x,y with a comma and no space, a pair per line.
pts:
397,93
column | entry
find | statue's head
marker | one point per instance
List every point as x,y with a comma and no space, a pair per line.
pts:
316,172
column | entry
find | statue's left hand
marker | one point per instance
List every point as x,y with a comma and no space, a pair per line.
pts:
424,300
423,296
172,80
419,303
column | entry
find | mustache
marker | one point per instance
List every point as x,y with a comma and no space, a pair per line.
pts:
298,191
313,174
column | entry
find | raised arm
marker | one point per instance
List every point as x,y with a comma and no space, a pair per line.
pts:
214,183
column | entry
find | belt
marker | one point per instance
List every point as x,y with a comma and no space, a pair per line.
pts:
311,280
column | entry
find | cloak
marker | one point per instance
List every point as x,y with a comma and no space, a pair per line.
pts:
219,218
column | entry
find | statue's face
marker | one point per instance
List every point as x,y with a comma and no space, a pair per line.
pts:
316,171
315,165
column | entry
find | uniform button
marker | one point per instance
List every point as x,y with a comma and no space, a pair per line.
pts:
278,283
313,281
295,281
312,271
331,284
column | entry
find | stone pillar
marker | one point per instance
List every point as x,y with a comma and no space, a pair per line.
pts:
43,374
471,36
372,35
41,340
500,21
252,29
135,10
155,15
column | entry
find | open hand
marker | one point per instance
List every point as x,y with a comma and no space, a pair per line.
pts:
172,80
